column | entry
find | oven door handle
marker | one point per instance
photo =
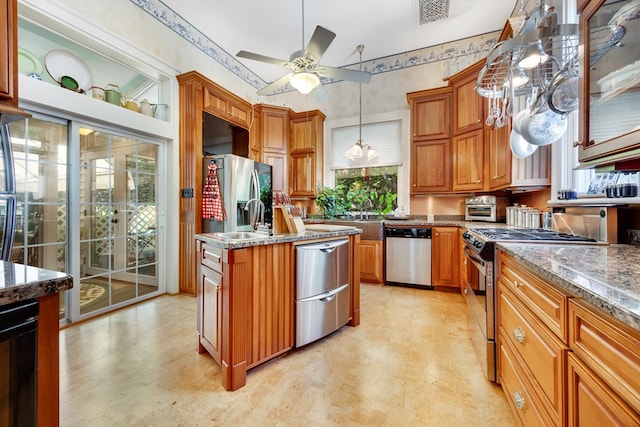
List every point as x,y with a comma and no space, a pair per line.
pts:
473,259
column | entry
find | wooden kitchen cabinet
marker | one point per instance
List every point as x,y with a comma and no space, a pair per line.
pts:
468,106
444,256
592,402
209,301
9,52
269,142
430,166
609,348
225,105
306,153
372,261
246,304
468,161
562,360
430,114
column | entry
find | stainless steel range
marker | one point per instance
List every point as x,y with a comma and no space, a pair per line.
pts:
480,289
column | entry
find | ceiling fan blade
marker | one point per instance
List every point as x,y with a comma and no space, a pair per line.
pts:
320,93
271,87
344,74
319,43
262,58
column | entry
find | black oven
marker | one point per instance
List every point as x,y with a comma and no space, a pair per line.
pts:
18,373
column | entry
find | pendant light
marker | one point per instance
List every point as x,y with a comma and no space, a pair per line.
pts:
359,150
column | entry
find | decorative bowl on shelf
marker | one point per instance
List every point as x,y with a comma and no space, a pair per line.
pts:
68,70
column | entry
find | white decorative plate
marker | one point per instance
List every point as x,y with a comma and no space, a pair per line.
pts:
60,63
28,63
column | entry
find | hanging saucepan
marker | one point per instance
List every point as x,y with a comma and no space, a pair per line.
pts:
520,147
562,94
544,127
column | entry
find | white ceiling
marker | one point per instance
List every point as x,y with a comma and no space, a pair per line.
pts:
385,27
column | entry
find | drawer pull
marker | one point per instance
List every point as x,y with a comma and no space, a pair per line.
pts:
518,334
516,283
518,400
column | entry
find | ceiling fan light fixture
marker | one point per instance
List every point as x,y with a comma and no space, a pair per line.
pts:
533,56
304,82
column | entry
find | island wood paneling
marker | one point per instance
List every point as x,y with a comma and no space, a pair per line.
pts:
273,280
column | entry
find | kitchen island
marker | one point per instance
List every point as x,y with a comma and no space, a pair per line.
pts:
20,283
569,333
246,297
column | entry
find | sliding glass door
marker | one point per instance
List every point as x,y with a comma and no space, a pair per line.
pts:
118,218
87,204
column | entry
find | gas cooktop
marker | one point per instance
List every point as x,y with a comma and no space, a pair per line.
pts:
482,240
528,234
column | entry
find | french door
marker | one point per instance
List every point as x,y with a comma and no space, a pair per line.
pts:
118,218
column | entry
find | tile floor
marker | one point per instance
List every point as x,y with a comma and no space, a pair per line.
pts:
409,363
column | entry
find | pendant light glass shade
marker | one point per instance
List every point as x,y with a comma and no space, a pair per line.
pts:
519,78
304,82
359,150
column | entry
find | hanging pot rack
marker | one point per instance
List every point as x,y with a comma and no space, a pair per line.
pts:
559,41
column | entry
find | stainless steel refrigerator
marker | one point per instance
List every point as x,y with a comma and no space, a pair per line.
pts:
230,184
7,194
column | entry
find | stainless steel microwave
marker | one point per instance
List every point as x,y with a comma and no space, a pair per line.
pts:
485,208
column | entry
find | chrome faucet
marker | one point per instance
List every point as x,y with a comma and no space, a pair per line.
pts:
260,225
363,214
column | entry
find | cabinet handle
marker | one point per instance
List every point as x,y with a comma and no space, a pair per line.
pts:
518,334
576,143
478,182
218,288
517,284
518,400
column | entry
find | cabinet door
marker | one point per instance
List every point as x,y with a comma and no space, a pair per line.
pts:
468,161
225,106
278,162
211,310
431,115
431,166
468,106
496,141
462,259
371,261
303,174
275,130
592,403
303,137
8,52
444,256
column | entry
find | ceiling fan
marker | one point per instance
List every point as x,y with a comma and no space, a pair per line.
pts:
306,70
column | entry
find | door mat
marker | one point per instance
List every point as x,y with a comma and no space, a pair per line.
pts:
90,293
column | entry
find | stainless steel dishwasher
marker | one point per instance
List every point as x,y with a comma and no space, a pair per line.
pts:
408,256
322,289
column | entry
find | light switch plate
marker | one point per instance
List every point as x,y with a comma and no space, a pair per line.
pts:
430,218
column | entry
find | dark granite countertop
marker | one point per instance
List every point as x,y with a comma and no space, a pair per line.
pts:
606,276
20,282
214,239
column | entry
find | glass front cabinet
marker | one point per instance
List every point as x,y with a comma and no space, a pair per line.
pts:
610,81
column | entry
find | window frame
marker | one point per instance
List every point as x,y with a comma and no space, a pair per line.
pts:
403,167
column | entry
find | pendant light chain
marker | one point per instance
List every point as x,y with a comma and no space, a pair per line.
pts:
360,49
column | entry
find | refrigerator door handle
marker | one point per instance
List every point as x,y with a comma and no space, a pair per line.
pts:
9,227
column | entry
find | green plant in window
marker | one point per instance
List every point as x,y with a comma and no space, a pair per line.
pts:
330,201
